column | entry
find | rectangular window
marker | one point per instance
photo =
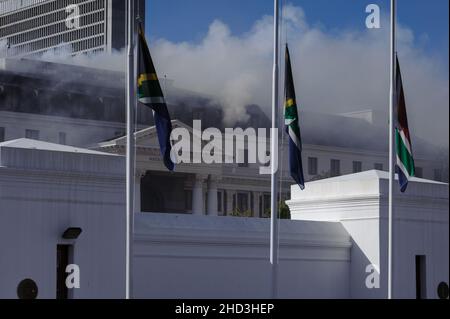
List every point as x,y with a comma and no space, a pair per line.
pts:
357,167
335,168
378,166
188,200
62,138
219,201
419,172
312,166
421,275
266,206
225,207
242,202
32,134
2,134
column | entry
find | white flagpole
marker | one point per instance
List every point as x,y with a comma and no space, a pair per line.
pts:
391,145
130,163
274,148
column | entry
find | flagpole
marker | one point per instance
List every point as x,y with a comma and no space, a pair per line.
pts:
274,172
130,154
391,146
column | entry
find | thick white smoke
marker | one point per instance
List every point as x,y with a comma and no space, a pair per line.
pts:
334,73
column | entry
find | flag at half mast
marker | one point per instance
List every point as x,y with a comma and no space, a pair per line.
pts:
292,126
150,94
405,160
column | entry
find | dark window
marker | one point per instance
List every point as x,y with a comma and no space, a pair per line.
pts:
225,207
335,167
219,201
419,172
242,202
378,166
312,166
260,208
266,205
357,167
32,134
62,261
437,174
2,134
188,200
421,275
62,138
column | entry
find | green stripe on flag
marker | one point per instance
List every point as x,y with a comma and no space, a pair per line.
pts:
403,154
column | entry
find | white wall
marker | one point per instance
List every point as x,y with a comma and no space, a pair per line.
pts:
179,256
359,202
78,132
37,205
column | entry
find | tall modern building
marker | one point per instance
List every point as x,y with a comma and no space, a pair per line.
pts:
31,27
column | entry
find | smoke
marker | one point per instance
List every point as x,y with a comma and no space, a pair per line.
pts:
335,72
113,61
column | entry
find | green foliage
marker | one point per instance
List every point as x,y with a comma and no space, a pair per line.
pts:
238,213
283,211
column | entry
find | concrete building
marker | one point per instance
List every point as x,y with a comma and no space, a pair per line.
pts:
32,27
86,108
335,246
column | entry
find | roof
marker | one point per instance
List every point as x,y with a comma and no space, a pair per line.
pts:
374,174
36,156
24,143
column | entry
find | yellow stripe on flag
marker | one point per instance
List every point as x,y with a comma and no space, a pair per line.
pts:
147,77
290,103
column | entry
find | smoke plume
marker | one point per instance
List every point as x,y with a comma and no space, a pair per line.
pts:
334,72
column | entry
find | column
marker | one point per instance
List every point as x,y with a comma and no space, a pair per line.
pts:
211,200
256,204
197,195
137,191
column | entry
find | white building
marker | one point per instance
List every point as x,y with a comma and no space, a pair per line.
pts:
34,26
335,246
86,109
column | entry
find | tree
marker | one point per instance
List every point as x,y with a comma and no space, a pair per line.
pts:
283,211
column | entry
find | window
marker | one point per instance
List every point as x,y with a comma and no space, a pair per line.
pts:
32,134
266,205
312,165
188,200
437,172
2,134
419,172
421,276
357,167
62,138
378,166
242,202
219,201
335,167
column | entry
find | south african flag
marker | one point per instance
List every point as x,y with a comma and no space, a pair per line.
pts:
151,95
292,126
405,160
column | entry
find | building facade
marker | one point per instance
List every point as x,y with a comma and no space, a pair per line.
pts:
76,26
86,108
334,246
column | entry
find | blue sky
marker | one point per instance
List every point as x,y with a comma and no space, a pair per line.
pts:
188,20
